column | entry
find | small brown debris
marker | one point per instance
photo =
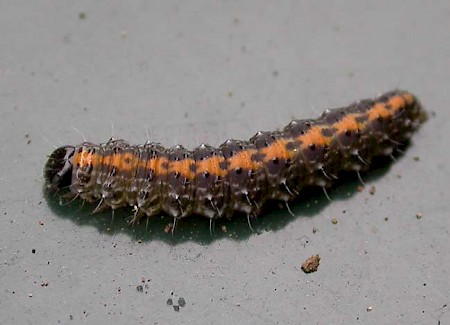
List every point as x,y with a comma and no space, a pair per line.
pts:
311,264
372,190
334,221
419,215
168,228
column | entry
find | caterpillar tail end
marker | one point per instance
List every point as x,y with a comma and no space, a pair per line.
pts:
58,169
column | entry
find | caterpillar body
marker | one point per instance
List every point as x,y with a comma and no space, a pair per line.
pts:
238,176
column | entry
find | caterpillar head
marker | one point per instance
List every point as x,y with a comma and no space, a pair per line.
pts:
58,169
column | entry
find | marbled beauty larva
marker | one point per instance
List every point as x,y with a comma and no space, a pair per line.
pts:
239,176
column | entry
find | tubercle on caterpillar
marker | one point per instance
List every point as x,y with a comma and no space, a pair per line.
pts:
239,176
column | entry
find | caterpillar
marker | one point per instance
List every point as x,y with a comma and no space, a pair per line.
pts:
238,176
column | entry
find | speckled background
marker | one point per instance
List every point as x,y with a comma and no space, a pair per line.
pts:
203,71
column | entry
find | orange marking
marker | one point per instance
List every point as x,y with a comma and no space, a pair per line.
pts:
86,159
211,165
409,98
243,159
116,161
397,102
277,150
348,123
123,161
134,162
157,164
151,164
314,136
379,110
76,158
128,159
105,160
182,167
130,162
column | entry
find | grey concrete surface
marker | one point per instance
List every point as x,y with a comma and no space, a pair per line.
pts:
203,71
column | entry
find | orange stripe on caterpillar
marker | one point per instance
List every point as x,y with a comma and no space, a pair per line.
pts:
239,176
